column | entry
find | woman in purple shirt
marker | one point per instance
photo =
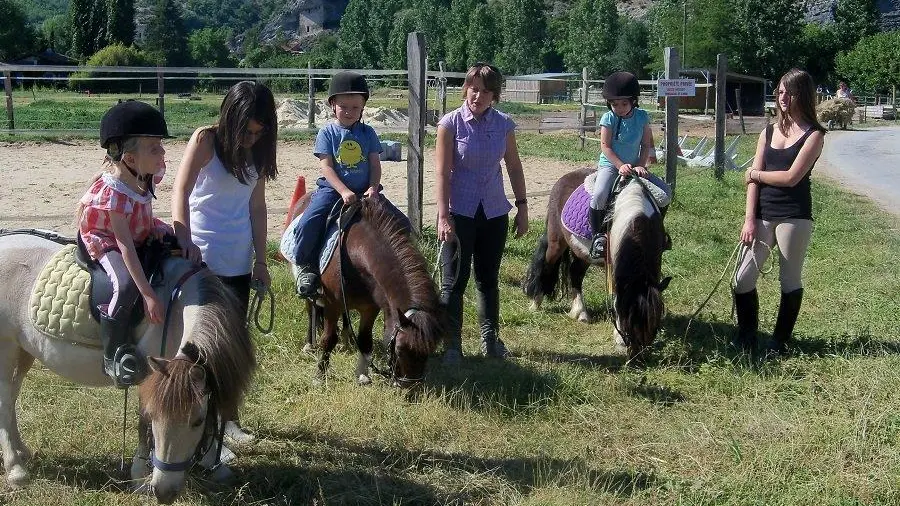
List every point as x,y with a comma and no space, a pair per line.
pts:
472,205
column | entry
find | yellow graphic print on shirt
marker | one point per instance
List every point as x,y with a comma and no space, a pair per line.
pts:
349,154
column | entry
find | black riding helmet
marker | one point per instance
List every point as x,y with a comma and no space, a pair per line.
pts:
131,119
621,85
346,83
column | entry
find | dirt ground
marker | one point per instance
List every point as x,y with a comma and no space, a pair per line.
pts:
43,182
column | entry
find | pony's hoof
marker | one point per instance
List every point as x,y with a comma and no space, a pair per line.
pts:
535,304
222,475
318,381
363,380
140,489
236,434
584,318
17,477
308,348
24,454
620,343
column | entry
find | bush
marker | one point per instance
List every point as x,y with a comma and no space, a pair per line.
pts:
115,55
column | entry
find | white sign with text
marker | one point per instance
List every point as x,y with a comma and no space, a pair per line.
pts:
676,87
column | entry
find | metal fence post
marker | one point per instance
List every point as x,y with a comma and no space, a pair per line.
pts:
7,85
161,89
672,71
721,105
311,110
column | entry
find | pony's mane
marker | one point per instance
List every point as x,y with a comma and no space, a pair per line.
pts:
422,290
223,348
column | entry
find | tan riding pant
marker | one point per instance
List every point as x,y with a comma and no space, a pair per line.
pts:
792,237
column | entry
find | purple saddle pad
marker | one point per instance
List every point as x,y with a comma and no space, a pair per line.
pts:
575,213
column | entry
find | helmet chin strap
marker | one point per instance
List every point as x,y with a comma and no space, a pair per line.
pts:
146,179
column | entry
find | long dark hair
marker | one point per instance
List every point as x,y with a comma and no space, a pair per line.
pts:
245,101
800,86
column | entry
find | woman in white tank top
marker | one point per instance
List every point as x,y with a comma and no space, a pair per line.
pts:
219,197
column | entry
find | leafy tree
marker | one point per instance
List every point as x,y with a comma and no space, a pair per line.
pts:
404,22
209,48
523,27
631,52
357,48
557,43
115,55
120,21
708,31
57,34
457,47
821,45
483,35
88,21
855,19
593,31
166,38
16,36
872,64
768,38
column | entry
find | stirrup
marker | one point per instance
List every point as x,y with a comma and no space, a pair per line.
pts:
598,247
307,282
125,368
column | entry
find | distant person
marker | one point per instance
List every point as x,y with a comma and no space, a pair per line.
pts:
779,209
844,92
472,206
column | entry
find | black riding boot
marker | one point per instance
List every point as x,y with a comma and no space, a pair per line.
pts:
746,306
453,309
598,238
491,344
307,282
788,310
121,361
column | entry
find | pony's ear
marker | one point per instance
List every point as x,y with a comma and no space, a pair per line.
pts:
191,351
160,365
664,283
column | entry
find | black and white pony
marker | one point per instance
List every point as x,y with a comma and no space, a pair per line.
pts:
634,256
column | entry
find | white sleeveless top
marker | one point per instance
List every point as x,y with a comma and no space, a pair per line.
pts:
220,219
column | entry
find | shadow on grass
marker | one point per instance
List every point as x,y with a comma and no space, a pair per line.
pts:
341,472
79,471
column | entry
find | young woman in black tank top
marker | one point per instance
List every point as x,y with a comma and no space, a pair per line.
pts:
779,209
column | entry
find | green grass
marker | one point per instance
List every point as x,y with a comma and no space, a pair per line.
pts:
566,422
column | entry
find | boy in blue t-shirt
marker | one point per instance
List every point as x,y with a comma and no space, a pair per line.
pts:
626,144
348,153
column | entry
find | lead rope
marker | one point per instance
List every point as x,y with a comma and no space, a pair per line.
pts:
455,260
124,429
738,254
261,291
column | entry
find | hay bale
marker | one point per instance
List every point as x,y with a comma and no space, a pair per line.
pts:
837,111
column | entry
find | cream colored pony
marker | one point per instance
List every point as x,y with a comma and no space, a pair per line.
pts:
208,369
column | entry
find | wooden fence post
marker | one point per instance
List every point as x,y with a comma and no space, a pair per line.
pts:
672,71
7,85
311,103
415,57
584,99
161,89
721,105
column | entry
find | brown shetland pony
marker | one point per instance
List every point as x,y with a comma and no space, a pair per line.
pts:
636,241
382,270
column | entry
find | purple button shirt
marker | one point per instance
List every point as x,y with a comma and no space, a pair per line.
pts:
478,146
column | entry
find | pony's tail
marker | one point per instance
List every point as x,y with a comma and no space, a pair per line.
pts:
542,279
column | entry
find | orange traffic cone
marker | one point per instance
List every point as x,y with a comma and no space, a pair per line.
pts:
299,192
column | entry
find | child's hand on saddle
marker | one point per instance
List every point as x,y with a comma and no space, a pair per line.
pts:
372,193
445,228
625,169
640,171
348,196
192,252
153,308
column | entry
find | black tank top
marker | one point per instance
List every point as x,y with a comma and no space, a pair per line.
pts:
784,202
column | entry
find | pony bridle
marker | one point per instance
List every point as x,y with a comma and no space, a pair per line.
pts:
403,381
212,429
